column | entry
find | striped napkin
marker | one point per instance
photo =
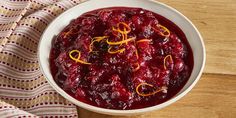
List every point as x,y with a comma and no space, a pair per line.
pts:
24,92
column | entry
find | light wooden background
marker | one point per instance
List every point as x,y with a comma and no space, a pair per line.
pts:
214,96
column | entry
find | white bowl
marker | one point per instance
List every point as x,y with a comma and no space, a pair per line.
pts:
194,38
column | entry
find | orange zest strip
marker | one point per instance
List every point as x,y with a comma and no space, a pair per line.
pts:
149,94
67,33
137,68
120,31
74,51
136,53
120,42
117,30
124,36
165,32
117,51
124,32
96,39
126,26
78,58
171,59
143,40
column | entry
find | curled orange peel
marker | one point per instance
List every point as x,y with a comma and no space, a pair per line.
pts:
149,94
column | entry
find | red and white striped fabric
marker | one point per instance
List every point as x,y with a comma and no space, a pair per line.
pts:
24,92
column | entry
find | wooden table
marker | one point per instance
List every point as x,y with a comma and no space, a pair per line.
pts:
214,96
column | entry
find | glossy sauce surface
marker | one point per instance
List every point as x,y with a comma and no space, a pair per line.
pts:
91,63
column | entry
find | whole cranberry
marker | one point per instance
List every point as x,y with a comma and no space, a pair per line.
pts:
137,21
104,15
82,42
80,93
179,65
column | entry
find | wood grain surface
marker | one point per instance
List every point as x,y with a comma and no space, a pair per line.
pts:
214,96
216,20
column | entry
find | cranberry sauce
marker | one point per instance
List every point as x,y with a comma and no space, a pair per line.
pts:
121,58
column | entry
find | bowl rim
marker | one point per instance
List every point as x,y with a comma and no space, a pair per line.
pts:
132,111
